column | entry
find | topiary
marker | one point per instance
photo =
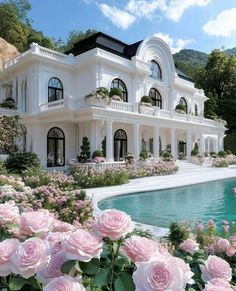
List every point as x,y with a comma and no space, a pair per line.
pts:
144,154
115,91
167,155
228,152
97,153
222,154
85,151
213,154
21,161
180,107
104,147
146,99
194,152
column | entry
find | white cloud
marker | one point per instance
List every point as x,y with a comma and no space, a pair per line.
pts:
223,25
119,18
88,2
143,8
175,9
175,44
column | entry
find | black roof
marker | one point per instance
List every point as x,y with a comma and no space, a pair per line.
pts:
112,45
106,42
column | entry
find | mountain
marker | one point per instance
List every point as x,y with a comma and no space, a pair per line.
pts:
7,52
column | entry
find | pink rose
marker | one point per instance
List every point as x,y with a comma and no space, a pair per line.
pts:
30,257
231,251
161,273
53,269
55,239
184,267
215,267
218,284
64,283
7,248
34,222
140,249
190,246
223,244
8,212
61,226
82,245
114,224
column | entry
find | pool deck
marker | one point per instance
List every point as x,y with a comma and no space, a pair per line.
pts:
188,174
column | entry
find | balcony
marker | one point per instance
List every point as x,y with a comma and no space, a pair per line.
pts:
66,103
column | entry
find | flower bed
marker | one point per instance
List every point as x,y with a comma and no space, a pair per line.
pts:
46,254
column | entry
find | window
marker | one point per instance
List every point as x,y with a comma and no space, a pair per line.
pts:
55,148
183,102
156,97
196,110
155,71
55,90
117,83
120,144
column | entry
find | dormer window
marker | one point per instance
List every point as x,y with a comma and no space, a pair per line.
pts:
117,83
155,71
156,97
55,90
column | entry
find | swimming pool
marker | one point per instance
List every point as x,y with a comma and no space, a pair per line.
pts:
213,200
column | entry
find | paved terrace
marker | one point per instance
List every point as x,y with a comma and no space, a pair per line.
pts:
188,174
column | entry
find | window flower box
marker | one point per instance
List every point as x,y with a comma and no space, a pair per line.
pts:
145,108
95,99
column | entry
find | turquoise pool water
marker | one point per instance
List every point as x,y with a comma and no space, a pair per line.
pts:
213,200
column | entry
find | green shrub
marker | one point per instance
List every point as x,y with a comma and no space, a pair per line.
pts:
97,153
144,154
194,152
115,91
3,169
213,154
85,151
177,234
180,107
104,147
222,154
129,158
20,162
146,99
228,152
230,142
35,177
166,155
102,91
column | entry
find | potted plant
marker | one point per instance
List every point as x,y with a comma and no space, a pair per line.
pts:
180,109
8,103
145,105
115,94
99,97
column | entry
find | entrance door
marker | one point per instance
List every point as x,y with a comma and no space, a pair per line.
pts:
120,145
182,147
55,148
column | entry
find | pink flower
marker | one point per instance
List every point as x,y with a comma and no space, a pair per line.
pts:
162,273
8,212
61,226
30,257
35,222
223,244
82,245
231,251
189,246
218,284
7,248
215,267
55,239
140,249
114,224
53,270
64,283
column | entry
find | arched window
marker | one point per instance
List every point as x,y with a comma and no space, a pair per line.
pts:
156,97
117,83
196,110
55,90
183,102
120,144
155,71
55,148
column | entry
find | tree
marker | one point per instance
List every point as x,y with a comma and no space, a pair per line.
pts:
85,150
210,107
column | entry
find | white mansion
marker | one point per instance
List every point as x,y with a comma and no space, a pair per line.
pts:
49,90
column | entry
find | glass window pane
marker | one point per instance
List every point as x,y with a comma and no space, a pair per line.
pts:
60,153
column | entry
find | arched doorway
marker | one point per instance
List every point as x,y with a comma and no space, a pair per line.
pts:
120,144
55,148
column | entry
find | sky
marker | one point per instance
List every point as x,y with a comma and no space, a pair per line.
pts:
194,24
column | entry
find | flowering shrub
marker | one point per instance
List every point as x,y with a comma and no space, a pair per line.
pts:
39,255
220,162
99,160
69,206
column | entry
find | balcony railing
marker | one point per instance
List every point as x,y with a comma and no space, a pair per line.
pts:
123,106
66,103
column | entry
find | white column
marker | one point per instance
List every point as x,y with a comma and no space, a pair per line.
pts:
95,142
136,142
109,141
202,144
173,142
220,142
189,142
208,144
156,144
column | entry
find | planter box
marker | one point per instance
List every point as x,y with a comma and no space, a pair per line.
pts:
145,109
95,101
3,157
